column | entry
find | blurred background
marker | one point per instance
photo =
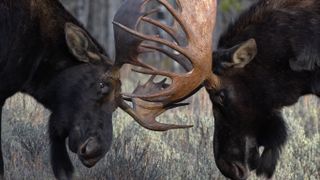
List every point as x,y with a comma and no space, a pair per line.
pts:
141,154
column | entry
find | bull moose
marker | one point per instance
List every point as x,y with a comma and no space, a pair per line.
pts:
46,53
266,60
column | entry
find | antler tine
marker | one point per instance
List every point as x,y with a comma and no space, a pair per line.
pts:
154,72
127,47
145,113
176,15
172,32
183,61
153,39
147,120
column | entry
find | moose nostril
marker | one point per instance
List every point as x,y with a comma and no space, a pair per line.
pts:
83,150
89,148
241,171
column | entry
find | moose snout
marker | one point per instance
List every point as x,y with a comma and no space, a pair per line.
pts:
233,170
89,148
90,152
240,171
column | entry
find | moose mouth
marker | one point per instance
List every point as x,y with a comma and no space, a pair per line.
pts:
89,162
237,170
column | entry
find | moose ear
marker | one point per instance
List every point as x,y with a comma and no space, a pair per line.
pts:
80,44
236,57
244,53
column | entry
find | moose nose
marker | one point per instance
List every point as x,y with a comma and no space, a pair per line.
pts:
90,152
233,169
240,171
89,148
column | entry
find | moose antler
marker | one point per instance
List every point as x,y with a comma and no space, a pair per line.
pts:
197,20
145,112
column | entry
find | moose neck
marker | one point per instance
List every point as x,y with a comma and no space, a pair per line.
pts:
43,52
271,73
277,82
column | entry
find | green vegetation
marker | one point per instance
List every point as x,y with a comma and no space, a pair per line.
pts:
228,5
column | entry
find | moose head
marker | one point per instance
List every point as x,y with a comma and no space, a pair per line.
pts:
91,132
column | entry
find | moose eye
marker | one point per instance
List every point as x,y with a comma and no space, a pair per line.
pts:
219,97
104,88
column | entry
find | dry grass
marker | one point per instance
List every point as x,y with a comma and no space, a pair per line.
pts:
141,154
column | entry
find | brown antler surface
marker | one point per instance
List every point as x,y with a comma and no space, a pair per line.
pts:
197,19
145,113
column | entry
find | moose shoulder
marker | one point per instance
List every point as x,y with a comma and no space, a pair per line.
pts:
266,60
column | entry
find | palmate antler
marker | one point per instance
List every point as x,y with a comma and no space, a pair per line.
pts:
197,20
145,112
